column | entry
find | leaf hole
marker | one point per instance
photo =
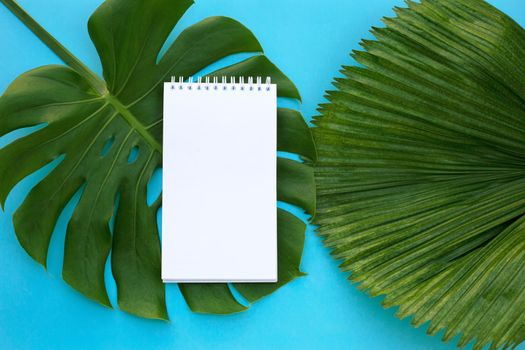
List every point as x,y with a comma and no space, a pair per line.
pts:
296,211
238,296
107,146
19,133
287,102
111,222
154,188
109,280
19,192
133,155
55,255
159,223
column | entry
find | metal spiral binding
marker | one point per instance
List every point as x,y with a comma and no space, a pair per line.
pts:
208,83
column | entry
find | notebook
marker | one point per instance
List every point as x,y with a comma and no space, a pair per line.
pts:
219,216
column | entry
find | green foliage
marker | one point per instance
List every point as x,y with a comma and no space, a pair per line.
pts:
83,114
420,171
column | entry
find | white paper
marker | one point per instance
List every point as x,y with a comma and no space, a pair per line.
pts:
219,217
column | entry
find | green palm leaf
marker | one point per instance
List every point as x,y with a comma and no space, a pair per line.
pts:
420,171
108,134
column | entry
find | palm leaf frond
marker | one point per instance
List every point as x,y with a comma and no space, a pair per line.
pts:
420,171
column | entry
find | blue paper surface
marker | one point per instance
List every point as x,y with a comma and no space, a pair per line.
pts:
308,40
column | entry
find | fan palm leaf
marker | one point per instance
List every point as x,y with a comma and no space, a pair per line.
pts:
421,170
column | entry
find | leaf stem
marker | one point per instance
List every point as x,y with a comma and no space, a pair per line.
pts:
64,54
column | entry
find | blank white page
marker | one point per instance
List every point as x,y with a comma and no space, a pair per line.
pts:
219,217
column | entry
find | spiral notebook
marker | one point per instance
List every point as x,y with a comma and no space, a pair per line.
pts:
219,181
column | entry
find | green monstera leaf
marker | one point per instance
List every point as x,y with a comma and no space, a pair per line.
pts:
421,170
108,136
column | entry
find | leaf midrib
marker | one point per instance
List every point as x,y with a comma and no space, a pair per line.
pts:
134,122
91,77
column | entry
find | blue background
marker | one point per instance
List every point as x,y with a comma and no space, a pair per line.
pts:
308,40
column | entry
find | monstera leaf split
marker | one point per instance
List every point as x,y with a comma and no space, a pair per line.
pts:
421,170
109,136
